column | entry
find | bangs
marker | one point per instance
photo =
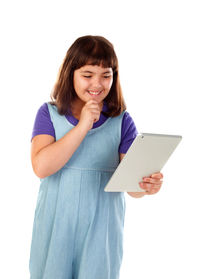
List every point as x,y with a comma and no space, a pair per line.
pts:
96,53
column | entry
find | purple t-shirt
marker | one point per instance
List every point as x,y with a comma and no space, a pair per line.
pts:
44,125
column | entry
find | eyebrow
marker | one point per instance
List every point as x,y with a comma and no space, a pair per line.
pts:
107,72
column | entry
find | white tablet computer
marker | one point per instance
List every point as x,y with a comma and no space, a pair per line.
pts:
147,154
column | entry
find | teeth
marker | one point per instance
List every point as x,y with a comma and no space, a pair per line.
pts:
94,93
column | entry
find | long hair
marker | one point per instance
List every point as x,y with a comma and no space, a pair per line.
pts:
88,50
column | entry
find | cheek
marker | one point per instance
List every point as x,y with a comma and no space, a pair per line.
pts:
108,83
107,86
81,84
84,83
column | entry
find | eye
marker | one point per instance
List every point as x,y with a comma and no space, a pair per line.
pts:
91,76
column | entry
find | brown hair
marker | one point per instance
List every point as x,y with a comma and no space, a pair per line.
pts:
88,50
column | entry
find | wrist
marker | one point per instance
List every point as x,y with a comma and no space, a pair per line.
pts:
82,128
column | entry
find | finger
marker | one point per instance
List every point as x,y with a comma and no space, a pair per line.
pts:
159,183
153,191
92,101
149,186
157,175
151,180
146,186
94,106
95,110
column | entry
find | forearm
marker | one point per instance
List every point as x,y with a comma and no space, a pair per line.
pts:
54,156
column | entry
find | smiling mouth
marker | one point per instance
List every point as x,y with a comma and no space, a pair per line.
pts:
94,93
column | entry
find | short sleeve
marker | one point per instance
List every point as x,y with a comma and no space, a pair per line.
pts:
128,133
43,123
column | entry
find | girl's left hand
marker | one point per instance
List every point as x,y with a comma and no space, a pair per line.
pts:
152,183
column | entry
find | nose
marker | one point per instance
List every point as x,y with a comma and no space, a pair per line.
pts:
97,83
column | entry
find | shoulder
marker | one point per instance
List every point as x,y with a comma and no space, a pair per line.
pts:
43,123
127,121
127,116
128,132
43,110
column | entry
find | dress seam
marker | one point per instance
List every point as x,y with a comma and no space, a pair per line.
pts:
53,227
88,169
77,220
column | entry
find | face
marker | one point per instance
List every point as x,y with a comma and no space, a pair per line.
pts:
92,82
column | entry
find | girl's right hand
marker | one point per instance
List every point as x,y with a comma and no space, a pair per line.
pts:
90,114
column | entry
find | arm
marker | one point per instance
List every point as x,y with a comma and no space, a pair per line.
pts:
48,155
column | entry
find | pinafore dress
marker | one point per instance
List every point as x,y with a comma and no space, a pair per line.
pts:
78,227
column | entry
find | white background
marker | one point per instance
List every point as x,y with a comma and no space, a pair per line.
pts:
157,44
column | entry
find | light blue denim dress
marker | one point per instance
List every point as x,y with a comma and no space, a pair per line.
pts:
78,227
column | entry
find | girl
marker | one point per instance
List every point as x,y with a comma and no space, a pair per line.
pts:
78,141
